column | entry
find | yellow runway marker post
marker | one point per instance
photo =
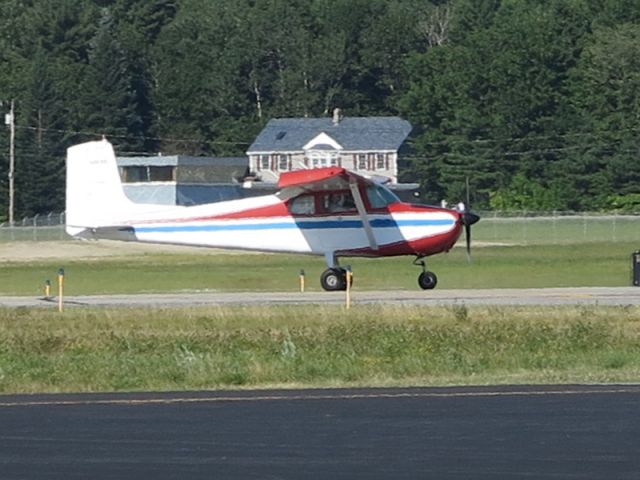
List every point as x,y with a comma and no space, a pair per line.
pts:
60,290
301,281
348,278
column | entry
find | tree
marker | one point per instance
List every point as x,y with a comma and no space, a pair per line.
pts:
491,103
109,101
40,176
606,99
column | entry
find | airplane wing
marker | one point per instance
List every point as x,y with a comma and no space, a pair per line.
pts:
316,179
329,178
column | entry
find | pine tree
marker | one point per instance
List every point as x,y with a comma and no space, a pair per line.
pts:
109,102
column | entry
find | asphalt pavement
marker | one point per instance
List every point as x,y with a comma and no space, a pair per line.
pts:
507,296
585,432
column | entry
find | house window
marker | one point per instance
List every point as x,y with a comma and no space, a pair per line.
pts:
362,162
162,174
283,163
324,159
380,161
134,174
140,174
264,162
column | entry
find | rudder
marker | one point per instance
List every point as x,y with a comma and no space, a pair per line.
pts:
94,194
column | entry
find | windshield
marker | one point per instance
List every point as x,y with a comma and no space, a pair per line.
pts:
380,196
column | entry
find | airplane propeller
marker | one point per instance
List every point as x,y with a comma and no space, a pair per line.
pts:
468,218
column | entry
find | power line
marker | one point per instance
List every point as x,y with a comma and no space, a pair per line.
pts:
131,137
534,138
446,142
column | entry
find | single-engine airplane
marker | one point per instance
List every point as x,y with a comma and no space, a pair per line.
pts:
327,211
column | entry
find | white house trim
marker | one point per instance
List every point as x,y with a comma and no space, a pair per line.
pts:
322,139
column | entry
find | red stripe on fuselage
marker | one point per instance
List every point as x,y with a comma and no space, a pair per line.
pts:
274,210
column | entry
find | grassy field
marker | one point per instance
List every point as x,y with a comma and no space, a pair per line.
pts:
321,346
588,264
316,346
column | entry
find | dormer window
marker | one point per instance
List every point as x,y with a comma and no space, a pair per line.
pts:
324,159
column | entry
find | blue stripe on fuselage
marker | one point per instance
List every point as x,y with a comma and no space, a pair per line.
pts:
303,225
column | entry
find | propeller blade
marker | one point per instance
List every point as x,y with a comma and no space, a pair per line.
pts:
468,219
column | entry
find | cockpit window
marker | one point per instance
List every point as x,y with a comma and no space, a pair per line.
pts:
302,205
338,202
380,196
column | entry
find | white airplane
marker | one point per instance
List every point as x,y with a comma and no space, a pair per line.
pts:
326,211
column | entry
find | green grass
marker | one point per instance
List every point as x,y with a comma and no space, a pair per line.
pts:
318,346
313,346
589,264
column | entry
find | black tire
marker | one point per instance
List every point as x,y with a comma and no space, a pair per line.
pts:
333,279
427,280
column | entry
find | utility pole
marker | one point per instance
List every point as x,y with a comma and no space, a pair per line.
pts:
9,119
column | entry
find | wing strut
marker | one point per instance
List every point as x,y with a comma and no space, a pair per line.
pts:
362,211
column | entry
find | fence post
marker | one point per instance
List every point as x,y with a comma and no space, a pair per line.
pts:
35,227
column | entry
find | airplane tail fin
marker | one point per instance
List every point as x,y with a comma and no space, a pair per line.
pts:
95,197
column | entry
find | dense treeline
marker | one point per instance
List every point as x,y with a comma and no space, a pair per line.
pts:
537,102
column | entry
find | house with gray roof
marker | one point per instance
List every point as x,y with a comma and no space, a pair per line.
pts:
366,145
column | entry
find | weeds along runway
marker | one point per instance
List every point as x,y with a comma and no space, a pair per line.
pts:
542,432
613,296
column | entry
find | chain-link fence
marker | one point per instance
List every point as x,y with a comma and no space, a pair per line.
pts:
40,228
552,228
509,228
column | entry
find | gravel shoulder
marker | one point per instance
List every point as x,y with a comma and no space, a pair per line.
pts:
76,249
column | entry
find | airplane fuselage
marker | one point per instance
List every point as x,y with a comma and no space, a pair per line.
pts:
267,224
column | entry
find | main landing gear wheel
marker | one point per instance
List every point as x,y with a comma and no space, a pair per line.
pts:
334,279
427,280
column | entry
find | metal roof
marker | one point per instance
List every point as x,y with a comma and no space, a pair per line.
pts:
353,133
194,169
178,160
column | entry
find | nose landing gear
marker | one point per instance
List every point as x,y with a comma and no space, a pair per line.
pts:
427,280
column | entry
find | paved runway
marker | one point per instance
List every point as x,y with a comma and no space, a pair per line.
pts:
586,432
528,296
